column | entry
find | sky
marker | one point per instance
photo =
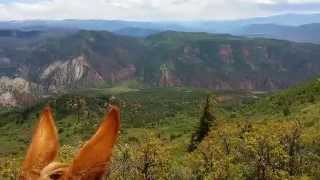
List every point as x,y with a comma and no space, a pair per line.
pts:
152,9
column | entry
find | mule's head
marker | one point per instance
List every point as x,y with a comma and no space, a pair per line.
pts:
91,161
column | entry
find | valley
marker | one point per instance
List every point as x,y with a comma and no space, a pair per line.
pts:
51,65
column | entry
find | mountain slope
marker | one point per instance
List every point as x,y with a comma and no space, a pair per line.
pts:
230,62
91,58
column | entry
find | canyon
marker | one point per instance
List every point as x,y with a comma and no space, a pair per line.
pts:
42,66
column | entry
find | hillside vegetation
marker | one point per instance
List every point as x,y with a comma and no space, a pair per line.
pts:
270,137
50,64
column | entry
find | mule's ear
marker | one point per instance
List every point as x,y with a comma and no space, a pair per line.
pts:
92,159
43,148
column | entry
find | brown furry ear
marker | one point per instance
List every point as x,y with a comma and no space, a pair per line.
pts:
43,148
91,162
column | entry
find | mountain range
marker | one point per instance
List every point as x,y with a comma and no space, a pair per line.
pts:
303,33
222,26
298,26
40,58
48,63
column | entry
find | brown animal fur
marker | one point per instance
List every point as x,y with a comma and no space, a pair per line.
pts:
91,161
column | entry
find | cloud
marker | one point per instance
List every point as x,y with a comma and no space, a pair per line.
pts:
149,9
292,6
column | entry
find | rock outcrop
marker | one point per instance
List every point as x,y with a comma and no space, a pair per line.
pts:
17,91
76,72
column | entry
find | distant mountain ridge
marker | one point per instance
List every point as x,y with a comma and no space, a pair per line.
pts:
210,26
304,33
136,32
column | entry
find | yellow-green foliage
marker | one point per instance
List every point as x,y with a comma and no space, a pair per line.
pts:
233,150
270,150
9,168
148,159
67,153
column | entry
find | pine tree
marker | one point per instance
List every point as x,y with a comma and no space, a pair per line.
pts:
207,121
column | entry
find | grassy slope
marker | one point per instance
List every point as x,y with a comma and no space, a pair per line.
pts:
173,113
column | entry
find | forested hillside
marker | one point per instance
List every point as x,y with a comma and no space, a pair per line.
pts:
250,136
47,63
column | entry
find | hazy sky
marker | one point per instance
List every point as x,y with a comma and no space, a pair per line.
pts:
151,9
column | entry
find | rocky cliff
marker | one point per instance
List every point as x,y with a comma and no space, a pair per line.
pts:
72,73
17,91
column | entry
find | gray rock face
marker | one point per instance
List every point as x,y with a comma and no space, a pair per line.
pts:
60,76
18,85
14,91
7,99
54,78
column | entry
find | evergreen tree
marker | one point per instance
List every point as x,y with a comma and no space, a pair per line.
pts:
206,122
